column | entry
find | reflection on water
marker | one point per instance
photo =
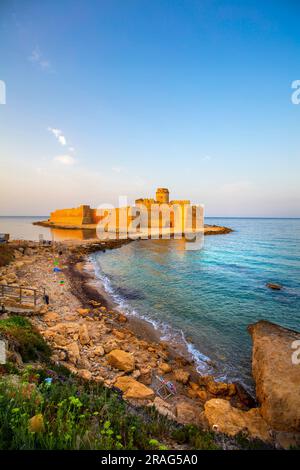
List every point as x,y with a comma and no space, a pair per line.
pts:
22,228
60,234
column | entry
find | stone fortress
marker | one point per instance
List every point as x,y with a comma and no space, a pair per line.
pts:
164,207
86,217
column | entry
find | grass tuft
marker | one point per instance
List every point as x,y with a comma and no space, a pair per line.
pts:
81,415
27,339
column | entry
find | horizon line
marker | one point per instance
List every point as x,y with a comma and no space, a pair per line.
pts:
206,217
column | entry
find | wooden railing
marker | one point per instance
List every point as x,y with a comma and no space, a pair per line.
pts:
23,295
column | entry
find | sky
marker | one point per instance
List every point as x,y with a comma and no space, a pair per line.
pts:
114,98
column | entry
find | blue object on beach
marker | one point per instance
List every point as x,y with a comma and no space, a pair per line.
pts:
56,270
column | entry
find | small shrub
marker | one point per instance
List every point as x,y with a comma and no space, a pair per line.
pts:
82,415
247,443
29,342
195,437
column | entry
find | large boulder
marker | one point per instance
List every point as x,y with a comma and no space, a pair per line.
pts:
118,334
222,417
182,375
98,351
73,352
51,318
133,389
84,337
66,329
56,339
187,413
121,360
164,368
220,388
276,375
83,311
273,286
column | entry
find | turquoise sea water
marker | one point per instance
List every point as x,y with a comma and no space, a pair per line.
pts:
207,298
203,298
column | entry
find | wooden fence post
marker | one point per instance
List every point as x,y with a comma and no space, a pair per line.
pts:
36,293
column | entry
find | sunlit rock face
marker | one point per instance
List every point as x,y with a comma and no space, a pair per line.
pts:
277,374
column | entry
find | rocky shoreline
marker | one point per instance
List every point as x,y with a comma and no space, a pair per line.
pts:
97,342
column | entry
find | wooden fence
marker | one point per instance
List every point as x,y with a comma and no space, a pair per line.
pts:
24,295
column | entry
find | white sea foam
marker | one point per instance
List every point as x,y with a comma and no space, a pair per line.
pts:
167,333
203,363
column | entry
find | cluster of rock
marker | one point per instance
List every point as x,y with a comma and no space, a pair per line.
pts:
276,420
97,344
94,348
23,257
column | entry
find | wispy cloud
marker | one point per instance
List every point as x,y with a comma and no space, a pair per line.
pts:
62,140
65,159
59,135
37,57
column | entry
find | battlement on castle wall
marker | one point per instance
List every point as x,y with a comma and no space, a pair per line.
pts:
180,201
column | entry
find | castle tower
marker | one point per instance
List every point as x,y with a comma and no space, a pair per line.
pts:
162,195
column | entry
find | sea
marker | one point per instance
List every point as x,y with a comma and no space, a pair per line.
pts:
206,299
203,299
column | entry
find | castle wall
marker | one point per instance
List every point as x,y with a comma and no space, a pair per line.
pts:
120,218
75,216
96,216
180,201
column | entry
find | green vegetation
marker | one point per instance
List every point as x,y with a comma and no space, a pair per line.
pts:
196,438
25,338
74,414
44,406
251,444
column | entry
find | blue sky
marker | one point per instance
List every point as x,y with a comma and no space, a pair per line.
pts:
117,97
